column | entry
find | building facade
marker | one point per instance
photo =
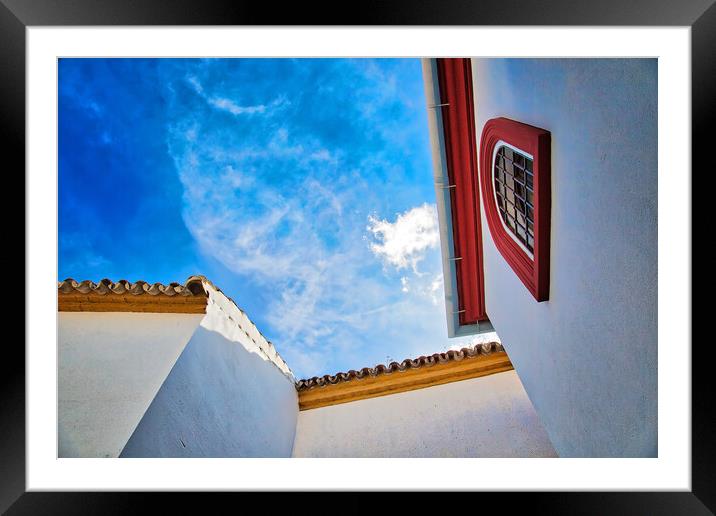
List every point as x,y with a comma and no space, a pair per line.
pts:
180,371
567,273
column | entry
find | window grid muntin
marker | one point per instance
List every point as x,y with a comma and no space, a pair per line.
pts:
513,177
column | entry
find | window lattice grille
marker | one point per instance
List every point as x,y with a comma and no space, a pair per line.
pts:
514,189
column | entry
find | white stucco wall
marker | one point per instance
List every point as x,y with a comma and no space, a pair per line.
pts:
588,356
110,367
489,416
229,395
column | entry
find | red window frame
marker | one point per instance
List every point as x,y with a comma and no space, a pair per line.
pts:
458,116
532,271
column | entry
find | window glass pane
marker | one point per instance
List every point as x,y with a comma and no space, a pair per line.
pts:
521,233
513,182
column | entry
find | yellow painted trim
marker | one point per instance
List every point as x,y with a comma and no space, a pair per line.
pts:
401,381
77,302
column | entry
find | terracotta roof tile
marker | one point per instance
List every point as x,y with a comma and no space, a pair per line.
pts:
192,287
414,363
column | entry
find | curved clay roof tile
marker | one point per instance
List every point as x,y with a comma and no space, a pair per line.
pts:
192,287
409,363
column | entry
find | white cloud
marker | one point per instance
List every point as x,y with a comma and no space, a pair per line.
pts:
226,104
196,84
405,282
403,243
320,296
233,108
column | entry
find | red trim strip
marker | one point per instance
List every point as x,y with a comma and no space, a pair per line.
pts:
455,81
534,273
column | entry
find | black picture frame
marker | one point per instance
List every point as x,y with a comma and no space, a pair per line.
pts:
16,15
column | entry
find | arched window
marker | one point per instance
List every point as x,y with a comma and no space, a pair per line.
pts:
515,181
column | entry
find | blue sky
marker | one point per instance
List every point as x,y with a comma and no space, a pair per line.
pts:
301,187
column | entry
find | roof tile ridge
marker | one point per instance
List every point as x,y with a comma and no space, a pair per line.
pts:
123,287
451,355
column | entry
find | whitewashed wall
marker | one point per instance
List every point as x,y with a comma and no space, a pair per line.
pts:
489,416
110,367
588,356
229,395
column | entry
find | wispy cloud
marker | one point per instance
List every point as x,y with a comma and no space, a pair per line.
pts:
231,106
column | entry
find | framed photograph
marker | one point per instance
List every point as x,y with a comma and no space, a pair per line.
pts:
442,249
